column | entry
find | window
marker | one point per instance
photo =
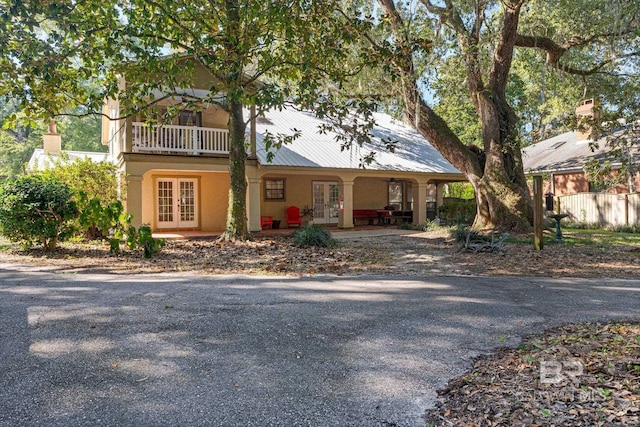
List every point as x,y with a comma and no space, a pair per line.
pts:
190,118
274,189
395,195
401,195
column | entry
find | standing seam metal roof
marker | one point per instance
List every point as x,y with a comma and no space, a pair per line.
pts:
413,153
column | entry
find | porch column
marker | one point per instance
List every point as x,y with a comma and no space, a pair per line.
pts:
128,135
420,203
253,204
439,193
133,201
345,218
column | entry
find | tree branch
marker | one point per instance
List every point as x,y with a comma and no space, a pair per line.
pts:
425,120
503,55
556,51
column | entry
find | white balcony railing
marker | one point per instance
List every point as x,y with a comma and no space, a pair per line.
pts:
173,139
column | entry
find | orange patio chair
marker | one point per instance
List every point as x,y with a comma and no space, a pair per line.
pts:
293,216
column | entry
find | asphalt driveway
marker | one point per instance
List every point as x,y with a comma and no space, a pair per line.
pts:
172,350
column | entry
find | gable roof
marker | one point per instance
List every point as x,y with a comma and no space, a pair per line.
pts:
562,153
313,149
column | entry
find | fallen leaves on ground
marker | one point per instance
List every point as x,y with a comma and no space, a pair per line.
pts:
425,254
504,389
576,375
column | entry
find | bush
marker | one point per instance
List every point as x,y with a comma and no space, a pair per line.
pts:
99,222
95,180
36,209
407,226
463,234
628,228
431,225
114,223
458,211
149,245
313,235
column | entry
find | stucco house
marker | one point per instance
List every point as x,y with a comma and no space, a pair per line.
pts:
177,174
561,159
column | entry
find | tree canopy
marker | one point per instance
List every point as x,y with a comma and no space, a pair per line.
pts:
60,55
479,79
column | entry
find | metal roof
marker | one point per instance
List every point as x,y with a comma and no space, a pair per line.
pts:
321,150
41,160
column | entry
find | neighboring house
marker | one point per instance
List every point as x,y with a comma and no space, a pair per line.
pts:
177,174
561,159
42,159
51,153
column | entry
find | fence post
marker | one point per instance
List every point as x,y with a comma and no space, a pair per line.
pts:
538,242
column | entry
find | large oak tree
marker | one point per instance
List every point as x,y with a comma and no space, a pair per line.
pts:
585,39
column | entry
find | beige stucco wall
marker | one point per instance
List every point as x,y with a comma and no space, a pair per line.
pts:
212,117
298,192
370,193
213,188
215,117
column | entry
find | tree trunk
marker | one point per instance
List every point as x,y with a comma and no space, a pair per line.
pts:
495,172
502,194
236,227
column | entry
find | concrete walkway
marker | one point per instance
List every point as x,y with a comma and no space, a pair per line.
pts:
172,350
338,233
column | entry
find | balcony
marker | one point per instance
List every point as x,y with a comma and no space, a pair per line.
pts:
173,139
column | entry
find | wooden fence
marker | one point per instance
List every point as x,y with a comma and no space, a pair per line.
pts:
602,208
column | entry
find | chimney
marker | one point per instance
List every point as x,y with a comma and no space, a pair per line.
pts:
587,113
52,140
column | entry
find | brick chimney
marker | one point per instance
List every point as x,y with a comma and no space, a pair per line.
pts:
587,112
52,140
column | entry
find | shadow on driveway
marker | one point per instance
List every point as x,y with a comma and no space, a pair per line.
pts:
155,350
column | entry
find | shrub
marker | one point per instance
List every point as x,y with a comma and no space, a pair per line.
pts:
407,226
458,211
114,223
312,235
431,225
98,221
36,209
95,180
149,245
463,234
628,228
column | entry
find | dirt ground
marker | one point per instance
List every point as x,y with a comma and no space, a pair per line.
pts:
426,253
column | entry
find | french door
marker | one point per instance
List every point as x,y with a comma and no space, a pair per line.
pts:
176,203
326,202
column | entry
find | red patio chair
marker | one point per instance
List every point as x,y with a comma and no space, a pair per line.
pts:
293,216
266,221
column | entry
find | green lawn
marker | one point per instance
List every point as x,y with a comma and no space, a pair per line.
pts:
577,237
